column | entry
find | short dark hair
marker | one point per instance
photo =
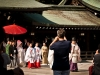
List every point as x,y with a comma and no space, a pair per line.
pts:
61,33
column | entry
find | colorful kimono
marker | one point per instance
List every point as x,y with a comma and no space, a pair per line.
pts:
37,57
30,57
21,56
44,50
74,51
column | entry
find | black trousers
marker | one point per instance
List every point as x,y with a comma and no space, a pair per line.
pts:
13,61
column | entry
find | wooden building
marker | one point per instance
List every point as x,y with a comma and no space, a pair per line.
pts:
42,21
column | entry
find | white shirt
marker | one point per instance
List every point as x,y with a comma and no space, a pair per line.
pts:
51,57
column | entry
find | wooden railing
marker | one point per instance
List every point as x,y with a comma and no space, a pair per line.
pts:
87,55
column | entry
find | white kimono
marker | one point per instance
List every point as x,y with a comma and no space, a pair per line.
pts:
75,51
21,55
30,55
38,54
51,57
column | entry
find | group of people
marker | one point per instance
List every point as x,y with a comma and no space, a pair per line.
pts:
4,61
63,55
23,55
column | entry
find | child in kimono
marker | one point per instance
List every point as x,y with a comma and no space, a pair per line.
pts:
38,55
30,56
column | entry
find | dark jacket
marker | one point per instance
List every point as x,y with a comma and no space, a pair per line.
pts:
13,50
61,55
96,68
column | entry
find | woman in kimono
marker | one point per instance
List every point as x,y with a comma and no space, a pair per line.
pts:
21,54
74,56
38,55
30,56
44,50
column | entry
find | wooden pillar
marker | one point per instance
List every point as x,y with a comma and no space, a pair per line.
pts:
87,41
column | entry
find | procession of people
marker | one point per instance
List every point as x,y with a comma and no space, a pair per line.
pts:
25,54
62,55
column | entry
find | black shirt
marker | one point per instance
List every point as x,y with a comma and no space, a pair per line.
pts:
61,55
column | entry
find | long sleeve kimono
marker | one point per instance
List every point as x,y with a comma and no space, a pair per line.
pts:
44,50
37,57
21,56
30,57
75,52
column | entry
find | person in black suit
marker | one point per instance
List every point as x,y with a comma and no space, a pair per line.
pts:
96,61
13,54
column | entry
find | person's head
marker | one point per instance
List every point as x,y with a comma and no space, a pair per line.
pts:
25,40
73,40
61,33
18,71
12,42
19,43
98,51
30,44
37,44
8,42
44,44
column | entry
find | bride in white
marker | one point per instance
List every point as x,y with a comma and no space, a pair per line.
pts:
21,54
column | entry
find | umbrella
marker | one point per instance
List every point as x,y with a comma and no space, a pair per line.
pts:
14,29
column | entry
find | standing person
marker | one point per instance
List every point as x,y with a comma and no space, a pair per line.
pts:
21,54
96,61
59,51
75,54
5,57
13,54
7,47
44,50
30,56
38,55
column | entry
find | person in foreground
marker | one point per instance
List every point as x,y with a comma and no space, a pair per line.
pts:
59,54
96,61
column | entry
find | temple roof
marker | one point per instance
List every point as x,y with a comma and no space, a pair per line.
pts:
22,5
72,18
93,4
